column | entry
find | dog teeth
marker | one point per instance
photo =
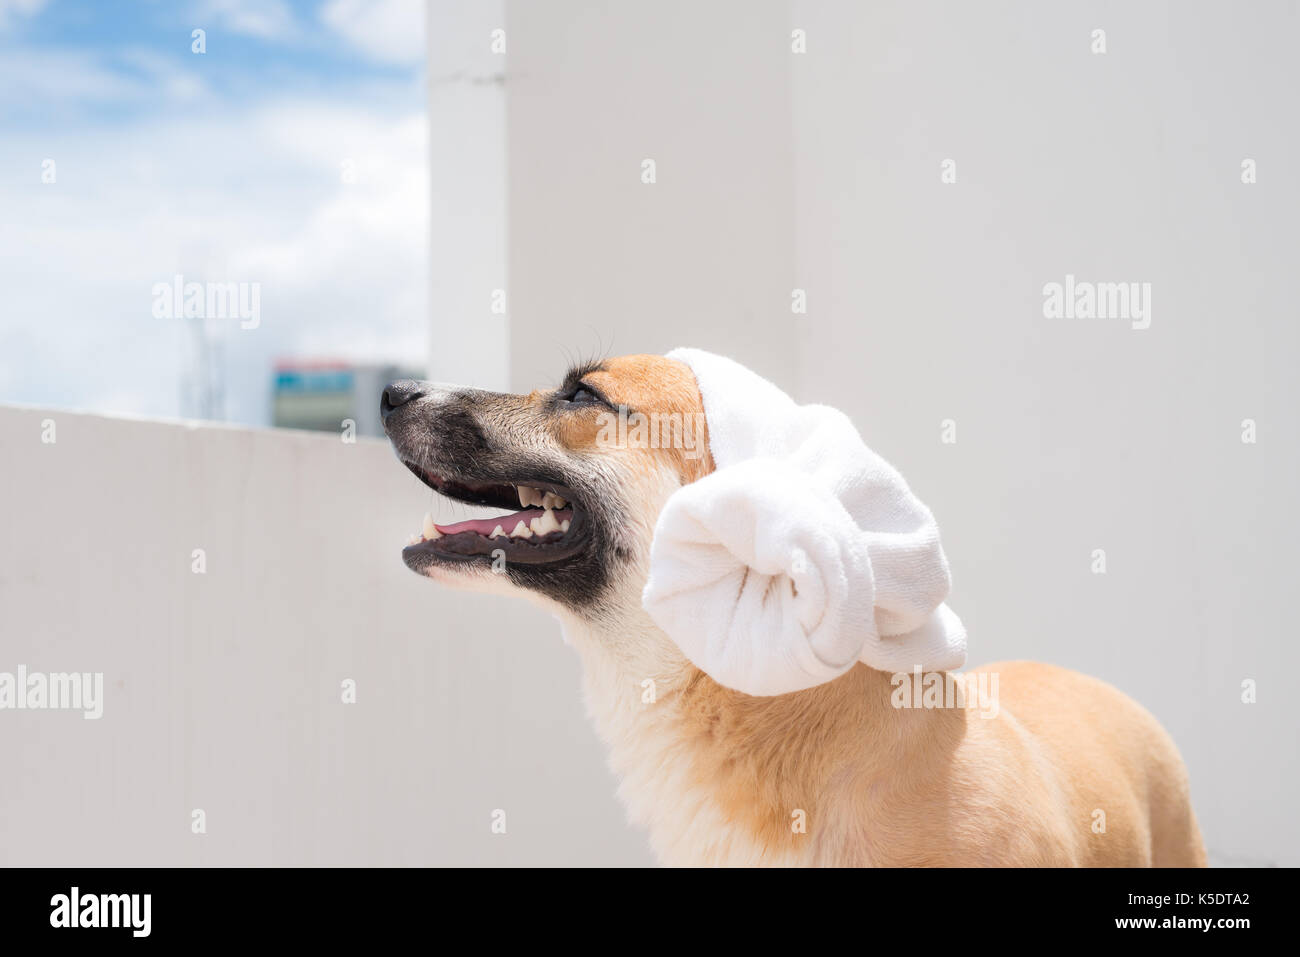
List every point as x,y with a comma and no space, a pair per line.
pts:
430,530
529,496
521,531
414,540
564,525
546,524
498,532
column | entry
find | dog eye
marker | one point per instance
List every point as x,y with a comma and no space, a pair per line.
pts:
582,396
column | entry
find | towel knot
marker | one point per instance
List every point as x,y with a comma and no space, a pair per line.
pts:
801,554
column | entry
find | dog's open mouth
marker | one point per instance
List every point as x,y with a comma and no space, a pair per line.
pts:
545,524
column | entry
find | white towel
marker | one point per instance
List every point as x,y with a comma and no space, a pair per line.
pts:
803,553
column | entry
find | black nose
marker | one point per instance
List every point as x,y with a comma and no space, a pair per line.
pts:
398,394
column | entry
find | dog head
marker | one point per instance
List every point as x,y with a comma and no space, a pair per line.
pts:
584,470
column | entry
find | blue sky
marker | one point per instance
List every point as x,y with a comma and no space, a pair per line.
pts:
292,154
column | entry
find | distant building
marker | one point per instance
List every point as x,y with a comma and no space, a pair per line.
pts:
320,394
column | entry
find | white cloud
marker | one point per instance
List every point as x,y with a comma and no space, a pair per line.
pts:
165,73
254,196
391,31
27,78
74,77
12,9
265,19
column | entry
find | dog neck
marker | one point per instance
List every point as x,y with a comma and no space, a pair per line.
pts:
719,777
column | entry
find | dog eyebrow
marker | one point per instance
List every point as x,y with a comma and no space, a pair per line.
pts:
573,379
577,372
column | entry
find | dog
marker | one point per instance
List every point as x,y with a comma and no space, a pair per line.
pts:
1070,772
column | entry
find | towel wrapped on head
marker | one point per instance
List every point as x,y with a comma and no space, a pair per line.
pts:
801,554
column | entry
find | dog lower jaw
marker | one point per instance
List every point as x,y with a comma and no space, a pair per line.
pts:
553,537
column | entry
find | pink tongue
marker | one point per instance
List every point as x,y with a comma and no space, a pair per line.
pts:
486,526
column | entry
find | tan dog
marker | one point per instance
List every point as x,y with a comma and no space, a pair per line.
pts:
1068,772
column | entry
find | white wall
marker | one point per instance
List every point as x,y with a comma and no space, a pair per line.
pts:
223,689
601,263
469,342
